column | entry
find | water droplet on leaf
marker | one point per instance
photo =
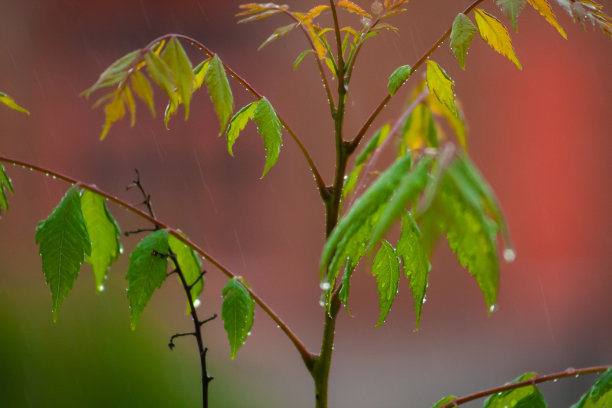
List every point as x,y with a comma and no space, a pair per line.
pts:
509,255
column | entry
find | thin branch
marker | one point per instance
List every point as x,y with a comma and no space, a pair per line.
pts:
138,231
355,142
301,348
248,87
533,381
147,197
171,344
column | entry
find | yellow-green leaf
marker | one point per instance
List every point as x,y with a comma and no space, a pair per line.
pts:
238,123
142,88
117,72
461,36
199,72
269,127
179,64
161,74
353,8
278,33
190,265
495,34
5,185
220,92
398,77
544,9
113,111
441,85
8,101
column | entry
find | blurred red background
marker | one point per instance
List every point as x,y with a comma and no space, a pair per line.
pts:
541,136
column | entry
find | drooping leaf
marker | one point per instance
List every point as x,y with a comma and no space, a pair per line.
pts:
64,242
528,396
10,102
116,73
162,75
373,143
419,129
544,9
269,127
495,34
456,122
128,98
316,39
512,9
103,233
278,33
346,287
220,92
416,264
300,58
113,111
398,77
462,33
142,88
238,123
190,265
5,185
179,64
312,13
238,313
386,269
600,394
147,271
199,72
441,85
444,401
353,8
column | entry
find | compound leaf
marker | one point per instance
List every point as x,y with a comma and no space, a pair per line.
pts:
146,272
237,311
269,127
386,269
5,185
238,123
190,264
528,396
462,33
600,394
179,64
220,92
103,233
495,34
398,77
10,102
512,9
64,242
441,85
544,9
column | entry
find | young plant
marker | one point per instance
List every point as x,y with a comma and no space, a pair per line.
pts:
431,190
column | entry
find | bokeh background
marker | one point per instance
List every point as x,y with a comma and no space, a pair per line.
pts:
541,136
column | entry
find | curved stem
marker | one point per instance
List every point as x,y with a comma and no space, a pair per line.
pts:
355,142
533,381
306,355
254,92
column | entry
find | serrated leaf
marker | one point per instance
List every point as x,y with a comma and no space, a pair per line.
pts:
416,263
495,34
10,102
528,396
64,242
199,72
116,73
269,127
544,9
147,271
441,85
5,185
104,235
387,272
176,59
398,77
353,8
462,33
190,265
162,75
600,394
238,123
220,92
237,311
278,33
512,9
142,88
444,401
300,57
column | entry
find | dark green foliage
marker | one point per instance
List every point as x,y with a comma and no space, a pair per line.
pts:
528,396
600,394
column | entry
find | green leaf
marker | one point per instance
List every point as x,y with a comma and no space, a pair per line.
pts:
64,242
162,75
278,33
373,143
103,233
199,72
495,34
461,37
441,85
269,127
600,394
179,64
512,9
142,87
398,77
190,264
444,401
238,313
346,287
416,264
117,72
386,269
146,272
300,57
220,92
8,101
528,396
5,185
238,123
